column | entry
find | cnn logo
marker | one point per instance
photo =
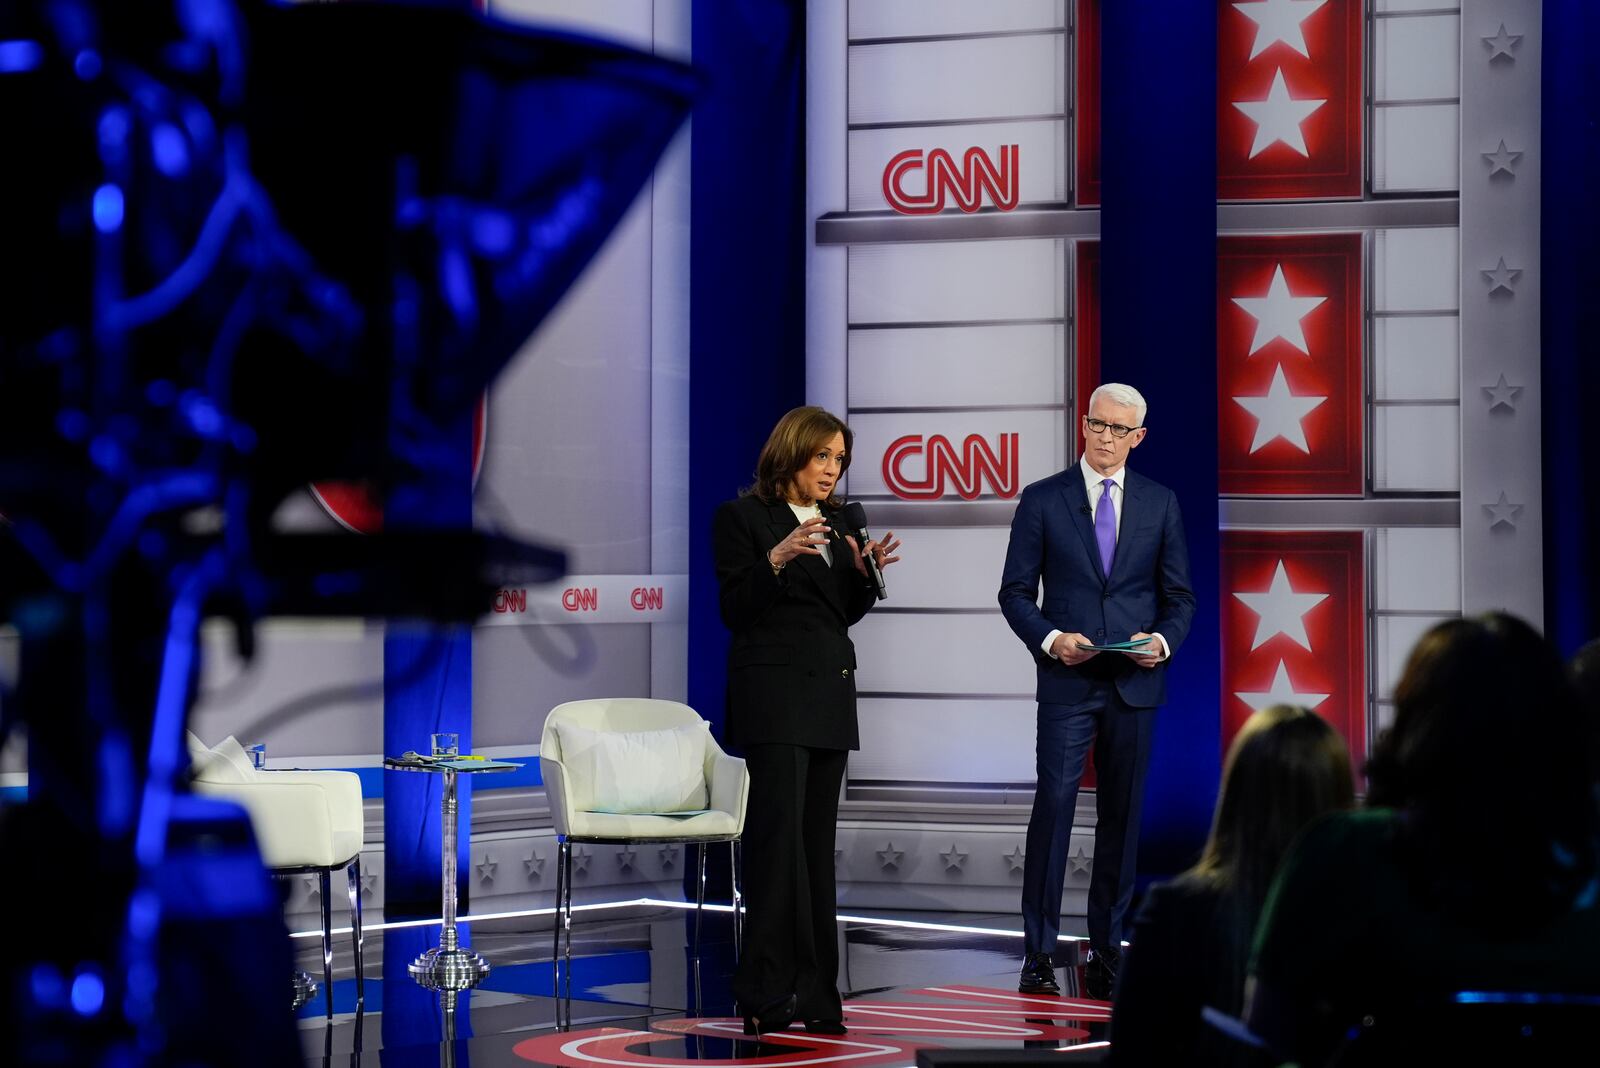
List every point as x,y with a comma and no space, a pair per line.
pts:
978,174
944,468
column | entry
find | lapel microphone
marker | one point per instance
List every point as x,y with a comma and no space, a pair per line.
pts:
855,518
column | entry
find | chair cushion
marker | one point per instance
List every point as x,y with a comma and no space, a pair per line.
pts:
635,771
669,828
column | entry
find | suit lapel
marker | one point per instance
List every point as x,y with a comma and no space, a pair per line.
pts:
1082,517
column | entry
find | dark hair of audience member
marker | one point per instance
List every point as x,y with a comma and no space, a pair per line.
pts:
1584,671
1285,768
1489,754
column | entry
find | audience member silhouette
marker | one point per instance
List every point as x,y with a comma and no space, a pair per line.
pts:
1473,871
1191,940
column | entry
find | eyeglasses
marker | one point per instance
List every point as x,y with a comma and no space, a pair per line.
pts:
1097,426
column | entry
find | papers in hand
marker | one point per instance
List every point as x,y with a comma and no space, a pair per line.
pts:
1120,647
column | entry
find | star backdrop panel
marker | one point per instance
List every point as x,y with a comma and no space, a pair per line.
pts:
1289,365
1293,628
1289,99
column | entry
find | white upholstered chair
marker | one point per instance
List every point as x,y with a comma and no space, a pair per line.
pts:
635,770
306,822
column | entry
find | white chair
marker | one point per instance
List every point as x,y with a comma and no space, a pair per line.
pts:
611,767
306,822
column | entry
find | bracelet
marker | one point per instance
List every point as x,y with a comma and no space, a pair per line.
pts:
775,567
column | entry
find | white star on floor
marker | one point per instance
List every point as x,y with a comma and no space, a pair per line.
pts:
1501,277
1503,511
1503,394
1281,610
1278,414
1502,159
1282,693
1278,117
954,858
1278,314
486,869
1278,20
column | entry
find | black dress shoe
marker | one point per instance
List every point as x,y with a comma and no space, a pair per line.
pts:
827,1027
1100,975
775,1015
1038,975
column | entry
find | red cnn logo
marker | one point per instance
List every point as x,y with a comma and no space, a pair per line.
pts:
580,598
977,173
968,469
511,600
647,598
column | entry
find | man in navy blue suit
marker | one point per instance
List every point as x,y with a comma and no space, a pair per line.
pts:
1108,545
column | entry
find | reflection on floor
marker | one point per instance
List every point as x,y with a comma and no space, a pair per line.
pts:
912,981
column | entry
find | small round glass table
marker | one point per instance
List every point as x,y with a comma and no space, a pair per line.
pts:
449,967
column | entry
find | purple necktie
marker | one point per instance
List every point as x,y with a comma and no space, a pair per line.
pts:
1105,526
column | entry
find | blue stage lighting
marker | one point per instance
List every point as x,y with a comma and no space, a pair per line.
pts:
108,209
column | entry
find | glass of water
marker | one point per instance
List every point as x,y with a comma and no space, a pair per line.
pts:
446,744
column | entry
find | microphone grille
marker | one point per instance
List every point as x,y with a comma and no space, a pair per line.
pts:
855,515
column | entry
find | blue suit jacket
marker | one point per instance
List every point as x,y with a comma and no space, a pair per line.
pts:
1052,540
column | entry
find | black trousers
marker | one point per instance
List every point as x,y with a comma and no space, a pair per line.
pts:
790,938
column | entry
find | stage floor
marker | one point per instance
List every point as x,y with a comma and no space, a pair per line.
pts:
912,981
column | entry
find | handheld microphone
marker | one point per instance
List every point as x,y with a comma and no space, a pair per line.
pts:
855,517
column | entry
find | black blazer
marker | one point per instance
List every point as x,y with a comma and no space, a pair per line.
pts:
791,667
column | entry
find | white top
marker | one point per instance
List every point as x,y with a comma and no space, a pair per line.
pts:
802,512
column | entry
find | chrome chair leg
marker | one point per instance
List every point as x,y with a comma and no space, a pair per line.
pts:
326,880
699,895
563,876
738,900
357,937
566,924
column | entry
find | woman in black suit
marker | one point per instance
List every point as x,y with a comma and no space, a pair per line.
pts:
790,587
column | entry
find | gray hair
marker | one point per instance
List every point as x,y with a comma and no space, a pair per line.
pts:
1117,393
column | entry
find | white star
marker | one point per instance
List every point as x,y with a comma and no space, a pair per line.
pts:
1501,277
1278,20
486,869
1503,393
580,859
1015,858
1502,159
954,858
1081,861
668,855
1281,610
1503,511
1281,693
626,857
1278,414
889,856
1278,314
1502,43
1278,117
534,864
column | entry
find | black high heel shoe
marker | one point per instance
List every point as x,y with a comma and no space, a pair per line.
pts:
775,1015
827,1027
